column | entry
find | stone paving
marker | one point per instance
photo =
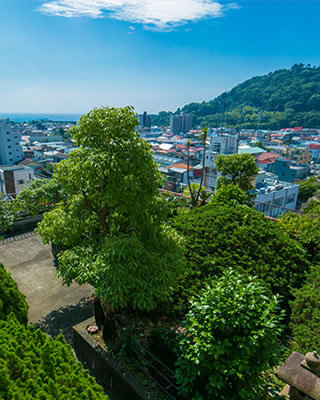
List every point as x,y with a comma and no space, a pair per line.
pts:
30,263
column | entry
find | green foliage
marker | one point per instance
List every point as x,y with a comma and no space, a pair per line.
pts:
232,332
11,299
34,366
6,215
305,228
108,214
305,318
238,169
204,196
38,196
126,270
286,97
231,194
308,189
219,236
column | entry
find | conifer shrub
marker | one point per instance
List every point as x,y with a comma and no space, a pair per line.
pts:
11,299
35,366
305,318
219,236
231,336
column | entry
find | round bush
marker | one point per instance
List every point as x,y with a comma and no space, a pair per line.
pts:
11,299
35,366
231,336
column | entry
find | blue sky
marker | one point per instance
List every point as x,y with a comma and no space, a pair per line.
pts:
72,55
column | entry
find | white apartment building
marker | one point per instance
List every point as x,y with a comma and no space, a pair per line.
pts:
220,143
13,178
10,149
273,196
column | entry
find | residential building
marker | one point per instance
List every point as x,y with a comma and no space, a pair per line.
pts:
273,196
314,150
266,160
299,155
14,177
144,120
289,171
10,149
219,143
180,123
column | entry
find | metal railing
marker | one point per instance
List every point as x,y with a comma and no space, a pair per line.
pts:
152,367
272,210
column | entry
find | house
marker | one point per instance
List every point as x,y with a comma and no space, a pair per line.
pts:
14,177
275,196
300,154
266,160
314,150
289,171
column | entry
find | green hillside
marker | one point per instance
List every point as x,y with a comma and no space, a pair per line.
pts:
284,98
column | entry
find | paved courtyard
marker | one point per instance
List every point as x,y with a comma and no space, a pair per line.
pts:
30,263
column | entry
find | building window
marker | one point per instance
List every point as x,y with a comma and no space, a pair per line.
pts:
278,202
10,159
291,198
20,182
9,147
10,153
30,177
8,140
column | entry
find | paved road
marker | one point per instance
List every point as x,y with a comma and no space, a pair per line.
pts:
31,266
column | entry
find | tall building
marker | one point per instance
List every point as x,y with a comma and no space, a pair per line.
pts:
144,120
180,123
10,149
220,143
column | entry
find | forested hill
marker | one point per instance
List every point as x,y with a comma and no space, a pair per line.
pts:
284,98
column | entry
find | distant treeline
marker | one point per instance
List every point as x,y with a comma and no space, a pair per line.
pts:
281,99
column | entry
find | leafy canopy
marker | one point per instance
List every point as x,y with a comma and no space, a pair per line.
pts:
6,215
108,214
238,169
11,299
305,228
232,332
35,366
218,236
305,318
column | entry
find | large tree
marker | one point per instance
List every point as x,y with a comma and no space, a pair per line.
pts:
238,169
108,217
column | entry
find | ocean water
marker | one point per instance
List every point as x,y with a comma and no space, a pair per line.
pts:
38,117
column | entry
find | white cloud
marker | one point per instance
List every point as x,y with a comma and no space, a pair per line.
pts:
157,14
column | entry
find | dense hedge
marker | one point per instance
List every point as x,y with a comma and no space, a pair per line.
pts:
221,236
34,366
305,318
11,299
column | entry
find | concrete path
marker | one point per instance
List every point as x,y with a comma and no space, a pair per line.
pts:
31,266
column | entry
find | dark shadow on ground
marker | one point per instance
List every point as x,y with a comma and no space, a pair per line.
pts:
63,319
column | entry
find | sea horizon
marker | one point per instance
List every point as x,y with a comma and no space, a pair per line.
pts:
27,117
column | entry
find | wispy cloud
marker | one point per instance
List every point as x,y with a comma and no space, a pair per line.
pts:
156,14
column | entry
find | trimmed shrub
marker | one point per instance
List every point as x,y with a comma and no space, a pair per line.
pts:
11,299
305,318
35,366
221,236
232,332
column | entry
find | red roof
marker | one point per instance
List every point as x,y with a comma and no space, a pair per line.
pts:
267,158
314,146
